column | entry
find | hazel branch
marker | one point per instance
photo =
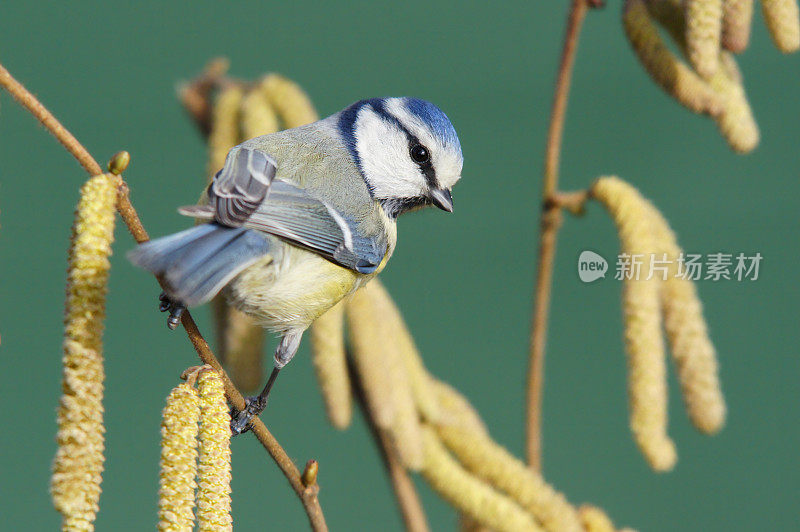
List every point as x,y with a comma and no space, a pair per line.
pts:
132,221
35,107
550,222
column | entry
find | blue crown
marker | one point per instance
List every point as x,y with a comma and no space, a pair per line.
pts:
431,115
436,120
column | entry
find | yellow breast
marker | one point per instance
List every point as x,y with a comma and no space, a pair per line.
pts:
293,292
290,292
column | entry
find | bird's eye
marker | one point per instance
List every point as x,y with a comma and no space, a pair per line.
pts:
420,154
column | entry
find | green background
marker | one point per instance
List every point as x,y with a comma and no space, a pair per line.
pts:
464,280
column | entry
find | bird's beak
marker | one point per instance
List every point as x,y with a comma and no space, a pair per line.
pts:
442,198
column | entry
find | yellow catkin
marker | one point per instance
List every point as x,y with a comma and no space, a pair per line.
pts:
499,468
240,341
406,431
419,378
783,21
370,316
647,386
78,465
735,119
737,17
329,357
691,347
258,116
240,345
225,127
214,471
373,371
468,494
694,356
669,72
736,122
178,459
595,520
703,34
456,411
289,100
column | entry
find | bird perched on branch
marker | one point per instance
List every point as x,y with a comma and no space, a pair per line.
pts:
299,219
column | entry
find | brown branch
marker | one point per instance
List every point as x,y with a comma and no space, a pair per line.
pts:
550,222
29,102
404,490
574,202
308,496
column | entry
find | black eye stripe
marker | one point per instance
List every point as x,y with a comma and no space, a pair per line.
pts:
427,168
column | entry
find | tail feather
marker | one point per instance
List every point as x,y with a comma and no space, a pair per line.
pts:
198,262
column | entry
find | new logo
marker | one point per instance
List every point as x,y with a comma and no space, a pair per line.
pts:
591,266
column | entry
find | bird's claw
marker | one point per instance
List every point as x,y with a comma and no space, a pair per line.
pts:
241,420
164,302
175,309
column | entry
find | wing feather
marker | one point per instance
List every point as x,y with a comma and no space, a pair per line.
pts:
292,214
289,212
241,186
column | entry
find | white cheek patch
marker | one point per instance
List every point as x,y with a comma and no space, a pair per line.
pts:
448,169
446,161
383,150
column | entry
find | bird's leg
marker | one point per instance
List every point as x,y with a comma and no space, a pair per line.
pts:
175,308
240,420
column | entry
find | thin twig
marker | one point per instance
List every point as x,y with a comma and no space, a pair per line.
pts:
29,102
131,218
574,201
195,94
404,490
290,471
550,222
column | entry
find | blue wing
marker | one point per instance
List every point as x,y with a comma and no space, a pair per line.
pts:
198,262
292,214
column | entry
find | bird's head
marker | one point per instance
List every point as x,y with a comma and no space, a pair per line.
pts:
406,150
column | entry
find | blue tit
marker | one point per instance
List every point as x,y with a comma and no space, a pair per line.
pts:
299,219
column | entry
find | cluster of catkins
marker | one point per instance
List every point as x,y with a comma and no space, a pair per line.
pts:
707,33
196,456
663,301
191,414
430,427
